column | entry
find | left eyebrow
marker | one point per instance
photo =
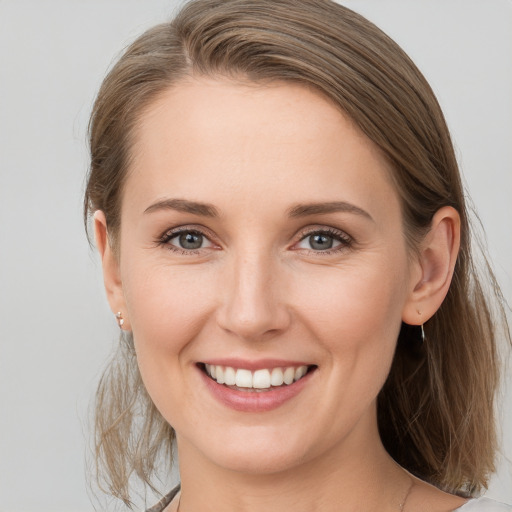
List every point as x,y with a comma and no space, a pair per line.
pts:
182,205
303,210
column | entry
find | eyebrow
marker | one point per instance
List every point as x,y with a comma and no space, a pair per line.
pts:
183,205
303,210
297,211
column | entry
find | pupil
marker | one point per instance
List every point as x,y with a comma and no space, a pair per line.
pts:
191,240
320,242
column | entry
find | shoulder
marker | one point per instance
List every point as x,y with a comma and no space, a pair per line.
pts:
484,505
165,501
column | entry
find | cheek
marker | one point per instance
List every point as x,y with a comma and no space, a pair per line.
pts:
168,308
354,310
167,305
355,318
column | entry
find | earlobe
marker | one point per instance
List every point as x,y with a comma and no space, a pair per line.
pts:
437,256
111,273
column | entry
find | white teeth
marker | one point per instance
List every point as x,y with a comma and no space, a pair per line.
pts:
277,379
229,376
300,372
289,375
243,378
219,374
260,379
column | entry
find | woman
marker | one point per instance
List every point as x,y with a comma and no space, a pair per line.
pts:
285,246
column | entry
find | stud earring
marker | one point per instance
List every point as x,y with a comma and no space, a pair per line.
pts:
120,319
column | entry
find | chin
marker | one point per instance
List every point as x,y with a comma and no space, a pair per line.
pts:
254,450
280,453
252,462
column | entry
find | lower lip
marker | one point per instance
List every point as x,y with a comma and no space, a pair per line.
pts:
255,401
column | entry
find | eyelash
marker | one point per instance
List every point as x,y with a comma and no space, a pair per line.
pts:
345,240
174,233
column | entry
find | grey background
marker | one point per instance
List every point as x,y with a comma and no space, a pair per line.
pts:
56,330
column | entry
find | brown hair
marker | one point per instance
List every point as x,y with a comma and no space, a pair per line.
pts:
436,410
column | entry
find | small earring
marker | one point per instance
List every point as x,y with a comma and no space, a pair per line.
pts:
120,319
422,334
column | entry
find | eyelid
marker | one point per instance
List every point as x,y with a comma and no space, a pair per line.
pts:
346,241
169,234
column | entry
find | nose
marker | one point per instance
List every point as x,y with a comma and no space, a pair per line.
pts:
252,306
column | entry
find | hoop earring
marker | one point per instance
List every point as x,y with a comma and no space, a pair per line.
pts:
120,319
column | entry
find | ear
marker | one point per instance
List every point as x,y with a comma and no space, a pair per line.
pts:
111,273
433,269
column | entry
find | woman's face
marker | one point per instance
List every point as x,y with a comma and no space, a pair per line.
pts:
261,232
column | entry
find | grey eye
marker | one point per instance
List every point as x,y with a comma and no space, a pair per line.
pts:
190,240
323,241
320,242
186,240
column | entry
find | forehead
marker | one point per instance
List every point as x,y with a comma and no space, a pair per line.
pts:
217,136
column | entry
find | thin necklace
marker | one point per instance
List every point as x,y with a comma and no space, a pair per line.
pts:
402,504
406,497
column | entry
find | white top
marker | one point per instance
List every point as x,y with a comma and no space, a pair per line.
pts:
484,505
475,505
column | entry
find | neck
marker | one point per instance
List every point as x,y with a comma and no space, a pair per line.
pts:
361,477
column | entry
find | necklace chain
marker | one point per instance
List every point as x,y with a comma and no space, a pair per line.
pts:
402,504
406,497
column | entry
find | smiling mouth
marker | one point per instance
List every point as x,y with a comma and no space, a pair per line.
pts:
262,380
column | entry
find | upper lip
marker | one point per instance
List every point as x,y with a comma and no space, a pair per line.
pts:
255,364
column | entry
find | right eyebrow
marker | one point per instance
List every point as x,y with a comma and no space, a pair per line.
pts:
183,205
303,210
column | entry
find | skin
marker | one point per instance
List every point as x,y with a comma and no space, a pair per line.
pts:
258,289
